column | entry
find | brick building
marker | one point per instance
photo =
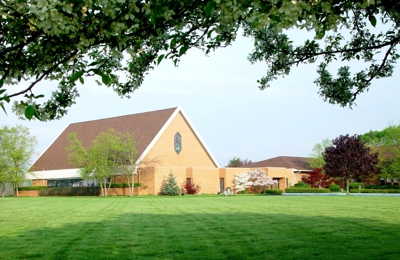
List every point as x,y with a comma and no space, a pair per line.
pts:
166,142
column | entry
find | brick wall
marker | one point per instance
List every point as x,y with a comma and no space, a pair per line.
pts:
192,153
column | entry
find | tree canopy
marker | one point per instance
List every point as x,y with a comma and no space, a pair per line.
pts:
316,157
118,42
349,158
16,149
387,143
237,162
111,153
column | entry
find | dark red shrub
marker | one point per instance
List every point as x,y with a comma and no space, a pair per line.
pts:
191,188
317,179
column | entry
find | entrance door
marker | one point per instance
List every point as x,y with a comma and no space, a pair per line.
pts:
221,185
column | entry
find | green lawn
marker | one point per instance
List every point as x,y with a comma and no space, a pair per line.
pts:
200,227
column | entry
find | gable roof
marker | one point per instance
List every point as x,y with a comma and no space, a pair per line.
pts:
147,127
289,162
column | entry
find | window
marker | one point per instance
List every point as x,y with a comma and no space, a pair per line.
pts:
177,143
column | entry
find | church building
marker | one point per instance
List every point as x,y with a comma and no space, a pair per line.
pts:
166,142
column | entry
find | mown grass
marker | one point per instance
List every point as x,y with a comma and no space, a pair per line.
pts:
200,227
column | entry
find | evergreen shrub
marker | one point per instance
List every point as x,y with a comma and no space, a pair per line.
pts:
376,191
70,191
334,187
355,185
123,185
302,184
307,190
170,187
382,187
31,188
272,191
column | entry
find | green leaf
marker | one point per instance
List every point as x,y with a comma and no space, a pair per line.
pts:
29,112
156,12
106,79
274,18
2,106
2,91
39,96
209,8
183,49
99,72
160,58
1,83
82,80
358,57
172,43
372,20
76,76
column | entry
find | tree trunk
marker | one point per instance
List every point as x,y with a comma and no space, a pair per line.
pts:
133,184
102,188
109,186
347,187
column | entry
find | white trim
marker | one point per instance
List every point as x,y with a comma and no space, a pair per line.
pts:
199,137
166,125
158,135
54,174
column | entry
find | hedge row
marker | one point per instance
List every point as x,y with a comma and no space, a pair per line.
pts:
382,187
376,191
355,185
31,188
307,190
70,191
123,185
272,192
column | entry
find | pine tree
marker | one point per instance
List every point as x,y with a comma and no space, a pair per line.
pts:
170,187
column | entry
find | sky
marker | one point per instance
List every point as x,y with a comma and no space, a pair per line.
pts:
219,94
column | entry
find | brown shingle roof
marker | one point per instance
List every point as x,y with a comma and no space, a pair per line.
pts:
290,162
144,126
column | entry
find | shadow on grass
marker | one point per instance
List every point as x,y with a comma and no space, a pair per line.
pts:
209,236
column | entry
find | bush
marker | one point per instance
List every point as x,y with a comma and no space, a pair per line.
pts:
272,191
307,190
31,188
355,185
334,187
191,188
382,187
317,179
245,191
70,191
123,185
302,184
376,191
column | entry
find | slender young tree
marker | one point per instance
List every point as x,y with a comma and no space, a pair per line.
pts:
349,158
316,157
102,160
16,150
127,159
